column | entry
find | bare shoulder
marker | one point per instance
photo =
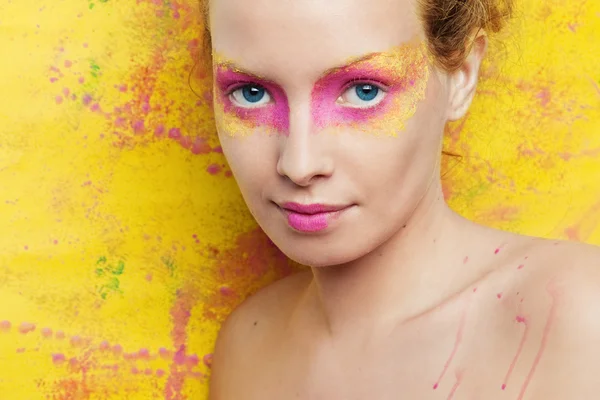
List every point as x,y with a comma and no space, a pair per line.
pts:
565,296
248,331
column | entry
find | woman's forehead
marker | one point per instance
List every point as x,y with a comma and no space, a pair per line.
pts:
308,37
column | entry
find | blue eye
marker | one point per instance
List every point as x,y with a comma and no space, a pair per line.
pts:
362,95
366,92
250,96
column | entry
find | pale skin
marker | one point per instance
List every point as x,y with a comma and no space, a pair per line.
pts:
404,298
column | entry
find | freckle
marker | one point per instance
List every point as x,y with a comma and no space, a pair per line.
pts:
255,323
521,266
474,290
466,260
404,226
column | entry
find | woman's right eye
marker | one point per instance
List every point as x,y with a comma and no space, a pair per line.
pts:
251,96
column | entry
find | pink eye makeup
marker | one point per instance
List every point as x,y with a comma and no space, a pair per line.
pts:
245,103
377,94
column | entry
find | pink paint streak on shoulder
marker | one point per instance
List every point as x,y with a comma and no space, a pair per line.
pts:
521,320
544,342
457,342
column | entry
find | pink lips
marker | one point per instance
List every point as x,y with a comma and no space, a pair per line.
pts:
310,217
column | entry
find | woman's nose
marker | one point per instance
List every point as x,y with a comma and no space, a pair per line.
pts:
303,156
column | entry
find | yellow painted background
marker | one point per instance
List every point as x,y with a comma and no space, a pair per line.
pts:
124,241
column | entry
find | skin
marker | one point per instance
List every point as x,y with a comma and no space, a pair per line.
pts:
404,298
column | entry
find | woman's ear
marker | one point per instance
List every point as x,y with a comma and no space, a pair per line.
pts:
463,81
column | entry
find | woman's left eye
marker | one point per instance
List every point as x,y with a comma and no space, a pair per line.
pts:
362,95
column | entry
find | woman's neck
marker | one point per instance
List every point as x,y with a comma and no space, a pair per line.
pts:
416,270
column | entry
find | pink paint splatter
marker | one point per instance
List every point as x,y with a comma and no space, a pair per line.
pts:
138,127
26,327
520,320
497,251
159,130
175,133
213,169
87,99
149,277
68,63
59,99
160,373
81,80
466,260
58,358
46,332
5,326
76,341
117,349
66,92
499,295
521,266
60,335
52,80
180,314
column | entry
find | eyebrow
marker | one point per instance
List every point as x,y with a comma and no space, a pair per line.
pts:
352,62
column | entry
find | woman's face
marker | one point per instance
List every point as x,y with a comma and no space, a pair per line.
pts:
331,116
